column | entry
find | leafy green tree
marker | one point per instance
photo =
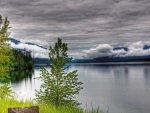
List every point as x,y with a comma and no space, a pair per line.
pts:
58,87
4,46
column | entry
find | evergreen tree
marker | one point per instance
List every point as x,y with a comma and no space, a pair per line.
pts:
4,46
21,60
58,86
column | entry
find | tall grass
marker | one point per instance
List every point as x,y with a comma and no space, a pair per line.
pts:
11,103
95,111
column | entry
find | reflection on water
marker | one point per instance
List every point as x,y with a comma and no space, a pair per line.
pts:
122,88
18,76
15,76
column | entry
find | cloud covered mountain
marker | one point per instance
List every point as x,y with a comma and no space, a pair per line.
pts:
39,51
137,51
105,50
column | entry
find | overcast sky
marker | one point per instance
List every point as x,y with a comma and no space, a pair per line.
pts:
83,24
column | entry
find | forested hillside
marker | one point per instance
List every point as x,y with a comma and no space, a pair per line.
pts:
21,59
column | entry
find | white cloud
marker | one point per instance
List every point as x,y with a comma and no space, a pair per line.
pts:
100,51
134,49
136,45
38,51
119,53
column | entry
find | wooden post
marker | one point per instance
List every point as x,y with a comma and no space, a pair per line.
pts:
32,109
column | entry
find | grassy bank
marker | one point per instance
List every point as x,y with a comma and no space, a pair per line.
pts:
11,103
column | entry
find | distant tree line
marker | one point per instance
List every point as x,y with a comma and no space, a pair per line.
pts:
21,59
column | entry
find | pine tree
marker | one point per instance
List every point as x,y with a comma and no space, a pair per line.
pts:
21,60
4,46
58,86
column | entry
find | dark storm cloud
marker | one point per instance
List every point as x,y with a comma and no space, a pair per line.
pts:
82,24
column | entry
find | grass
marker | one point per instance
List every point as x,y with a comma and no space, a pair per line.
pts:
8,99
11,103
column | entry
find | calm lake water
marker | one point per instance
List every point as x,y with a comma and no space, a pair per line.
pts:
121,88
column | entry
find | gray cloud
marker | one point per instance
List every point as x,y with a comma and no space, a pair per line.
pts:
80,23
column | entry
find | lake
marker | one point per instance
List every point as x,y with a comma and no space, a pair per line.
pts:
121,87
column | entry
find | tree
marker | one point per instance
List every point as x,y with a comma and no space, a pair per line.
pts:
4,46
58,87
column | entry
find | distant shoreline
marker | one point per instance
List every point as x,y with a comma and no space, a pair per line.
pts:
114,63
105,63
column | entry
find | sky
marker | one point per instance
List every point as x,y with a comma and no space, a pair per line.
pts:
86,25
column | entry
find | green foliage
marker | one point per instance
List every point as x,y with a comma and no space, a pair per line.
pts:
58,86
5,91
21,60
5,49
